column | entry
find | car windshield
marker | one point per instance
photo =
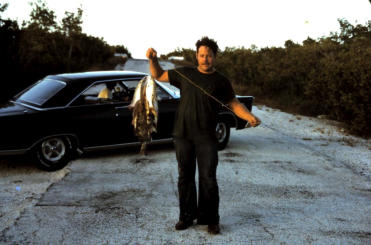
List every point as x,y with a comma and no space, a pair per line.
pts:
132,84
41,92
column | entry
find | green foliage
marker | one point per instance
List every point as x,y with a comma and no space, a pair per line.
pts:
9,45
121,49
327,76
71,23
42,47
3,7
341,83
42,18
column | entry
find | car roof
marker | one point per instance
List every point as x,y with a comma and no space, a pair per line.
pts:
77,82
95,75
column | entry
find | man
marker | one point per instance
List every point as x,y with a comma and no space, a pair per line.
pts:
194,132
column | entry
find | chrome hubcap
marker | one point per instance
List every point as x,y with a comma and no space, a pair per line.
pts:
53,149
221,131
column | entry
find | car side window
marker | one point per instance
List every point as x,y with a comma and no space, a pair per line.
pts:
161,93
106,92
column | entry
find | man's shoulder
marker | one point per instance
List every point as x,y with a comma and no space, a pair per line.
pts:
181,72
221,76
186,69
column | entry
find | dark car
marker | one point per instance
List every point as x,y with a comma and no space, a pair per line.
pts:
62,115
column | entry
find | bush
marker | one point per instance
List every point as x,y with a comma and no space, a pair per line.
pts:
42,47
329,76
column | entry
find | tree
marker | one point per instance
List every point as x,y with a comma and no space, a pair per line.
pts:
290,44
9,62
71,28
42,17
309,41
71,23
3,7
121,49
42,47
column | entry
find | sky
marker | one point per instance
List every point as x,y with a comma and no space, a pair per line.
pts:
170,24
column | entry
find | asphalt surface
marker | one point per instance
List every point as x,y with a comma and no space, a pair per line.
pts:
275,188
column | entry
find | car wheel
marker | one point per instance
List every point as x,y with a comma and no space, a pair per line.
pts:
53,153
222,134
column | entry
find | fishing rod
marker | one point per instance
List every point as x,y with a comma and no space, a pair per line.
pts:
208,94
203,90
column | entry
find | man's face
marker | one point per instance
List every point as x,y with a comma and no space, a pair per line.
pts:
205,58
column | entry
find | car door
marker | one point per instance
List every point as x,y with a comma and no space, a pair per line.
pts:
101,121
167,106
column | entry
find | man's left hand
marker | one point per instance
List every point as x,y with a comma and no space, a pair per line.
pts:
254,121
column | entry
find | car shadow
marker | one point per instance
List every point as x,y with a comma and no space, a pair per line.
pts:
19,163
129,150
25,163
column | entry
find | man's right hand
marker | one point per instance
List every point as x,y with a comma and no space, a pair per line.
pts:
151,54
154,67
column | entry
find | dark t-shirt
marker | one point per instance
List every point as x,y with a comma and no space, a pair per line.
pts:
197,112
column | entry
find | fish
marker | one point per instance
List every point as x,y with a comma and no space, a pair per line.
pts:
144,108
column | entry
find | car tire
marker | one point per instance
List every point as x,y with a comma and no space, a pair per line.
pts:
53,153
222,131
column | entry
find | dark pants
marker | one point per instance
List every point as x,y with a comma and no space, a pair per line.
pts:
204,149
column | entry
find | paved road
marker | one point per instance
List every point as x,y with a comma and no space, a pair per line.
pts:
142,65
274,189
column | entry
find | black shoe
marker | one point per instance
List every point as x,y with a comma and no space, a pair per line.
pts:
182,225
213,229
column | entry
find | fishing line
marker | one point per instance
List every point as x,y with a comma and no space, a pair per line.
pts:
203,90
208,94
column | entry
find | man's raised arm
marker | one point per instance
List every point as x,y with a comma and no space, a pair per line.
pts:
154,67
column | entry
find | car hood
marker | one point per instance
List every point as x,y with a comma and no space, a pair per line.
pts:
12,108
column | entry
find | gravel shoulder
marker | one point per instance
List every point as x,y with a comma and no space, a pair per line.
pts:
292,180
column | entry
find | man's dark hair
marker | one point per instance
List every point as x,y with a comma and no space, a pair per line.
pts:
208,42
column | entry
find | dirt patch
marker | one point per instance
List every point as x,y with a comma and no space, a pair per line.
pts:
231,157
230,160
285,192
355,234
288,166
231,154
243,218
142,160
